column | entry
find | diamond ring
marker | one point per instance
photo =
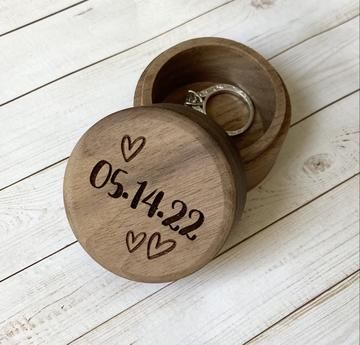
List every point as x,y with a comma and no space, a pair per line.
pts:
198,101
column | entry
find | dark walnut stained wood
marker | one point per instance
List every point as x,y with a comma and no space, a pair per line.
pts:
152,193
200,63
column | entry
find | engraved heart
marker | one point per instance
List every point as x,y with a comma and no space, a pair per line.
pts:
155,244
134,242
130,149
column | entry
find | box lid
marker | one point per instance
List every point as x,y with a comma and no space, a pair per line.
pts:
152,192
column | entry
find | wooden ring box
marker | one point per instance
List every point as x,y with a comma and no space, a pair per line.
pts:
152,192
202,62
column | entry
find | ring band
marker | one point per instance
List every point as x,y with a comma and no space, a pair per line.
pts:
198,101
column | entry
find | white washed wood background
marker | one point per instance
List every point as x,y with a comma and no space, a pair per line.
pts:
289,276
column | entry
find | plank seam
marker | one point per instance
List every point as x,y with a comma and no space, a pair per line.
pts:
115,54
225,251
42,18
222,253
325,106
157,36
313,36
264,228
219,255
38,261
301,307
67,157
35,173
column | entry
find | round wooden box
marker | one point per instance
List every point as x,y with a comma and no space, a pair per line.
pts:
152,192
199,63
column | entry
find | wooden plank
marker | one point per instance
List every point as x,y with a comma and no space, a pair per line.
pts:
308,165
83,35
337,65
32,221
17,13
32,315
48,123
100,28
60,293
253,285
331,319
33,211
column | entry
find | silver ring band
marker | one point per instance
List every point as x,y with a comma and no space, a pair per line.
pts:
198,101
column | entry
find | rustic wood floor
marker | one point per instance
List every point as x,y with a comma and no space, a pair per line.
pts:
290,276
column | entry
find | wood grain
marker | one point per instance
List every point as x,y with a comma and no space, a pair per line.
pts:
306,166
66,295
61,112
102,29
33,210
339,62
16,13
179,166
74,287
253,285
171,74
330,319
196,63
